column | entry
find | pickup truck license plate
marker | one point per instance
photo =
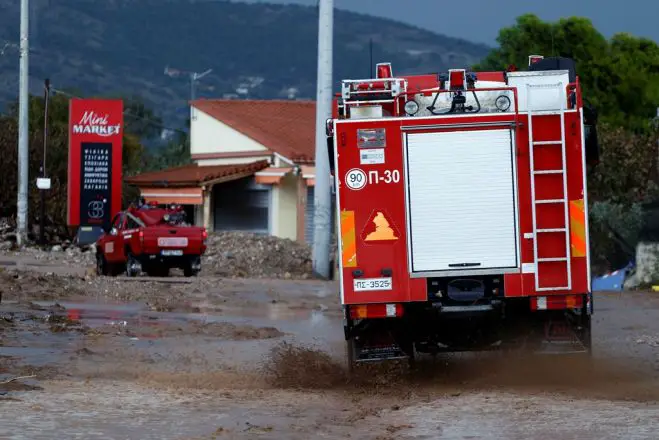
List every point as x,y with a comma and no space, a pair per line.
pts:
369,284
172,253
172,241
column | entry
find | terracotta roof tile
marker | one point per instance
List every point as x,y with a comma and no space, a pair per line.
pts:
195,175
284,127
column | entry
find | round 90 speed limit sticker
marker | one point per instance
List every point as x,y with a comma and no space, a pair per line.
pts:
356,179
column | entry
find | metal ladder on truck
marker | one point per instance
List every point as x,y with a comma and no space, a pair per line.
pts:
553,143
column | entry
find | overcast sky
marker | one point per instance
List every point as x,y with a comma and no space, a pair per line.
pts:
480,20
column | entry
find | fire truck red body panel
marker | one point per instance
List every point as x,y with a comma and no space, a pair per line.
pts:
385,192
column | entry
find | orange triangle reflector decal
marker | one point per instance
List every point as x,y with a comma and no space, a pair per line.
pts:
380,228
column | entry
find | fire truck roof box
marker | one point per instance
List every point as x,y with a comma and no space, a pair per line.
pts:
556,63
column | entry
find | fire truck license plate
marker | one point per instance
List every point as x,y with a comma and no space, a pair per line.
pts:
369,284
172,241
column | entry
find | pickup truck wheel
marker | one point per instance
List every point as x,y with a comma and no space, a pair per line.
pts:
192,267
132,265
101,265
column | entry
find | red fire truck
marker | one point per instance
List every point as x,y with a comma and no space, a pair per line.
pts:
462,207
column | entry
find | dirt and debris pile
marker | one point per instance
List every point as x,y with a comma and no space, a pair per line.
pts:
20,285
64,253
229,254
235,254
7,235
55,235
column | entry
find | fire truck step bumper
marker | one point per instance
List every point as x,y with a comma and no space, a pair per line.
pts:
380,353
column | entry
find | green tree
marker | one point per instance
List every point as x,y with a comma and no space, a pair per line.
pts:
620,77
141,120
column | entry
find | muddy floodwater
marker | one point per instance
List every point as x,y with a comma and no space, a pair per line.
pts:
86,358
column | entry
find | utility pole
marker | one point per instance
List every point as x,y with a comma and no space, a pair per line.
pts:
322,192
370,64
23,102
194,77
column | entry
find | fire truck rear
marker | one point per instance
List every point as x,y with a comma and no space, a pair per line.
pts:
462,207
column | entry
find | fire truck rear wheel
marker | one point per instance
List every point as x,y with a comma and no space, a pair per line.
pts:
350,357
587,336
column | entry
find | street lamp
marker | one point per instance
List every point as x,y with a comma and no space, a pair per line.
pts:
194,77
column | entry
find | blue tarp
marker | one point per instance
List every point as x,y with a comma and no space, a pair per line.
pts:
612,282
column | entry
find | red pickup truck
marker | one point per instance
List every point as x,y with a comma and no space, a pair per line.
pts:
151,239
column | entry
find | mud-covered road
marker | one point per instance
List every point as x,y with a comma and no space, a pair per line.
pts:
212,358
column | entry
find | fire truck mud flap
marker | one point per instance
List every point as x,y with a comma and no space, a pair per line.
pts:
566,336
561,333
376,353
374,342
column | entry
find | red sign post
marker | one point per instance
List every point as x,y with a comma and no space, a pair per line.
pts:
95,161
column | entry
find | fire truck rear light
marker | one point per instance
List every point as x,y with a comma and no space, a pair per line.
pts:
357,273
373,311
556,302
386,272
542,303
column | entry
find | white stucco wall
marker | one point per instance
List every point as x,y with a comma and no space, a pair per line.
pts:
208,135
284,208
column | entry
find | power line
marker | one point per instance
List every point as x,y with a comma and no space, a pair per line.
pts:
195,76
127,112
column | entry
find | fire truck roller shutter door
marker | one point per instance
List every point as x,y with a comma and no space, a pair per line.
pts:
462,201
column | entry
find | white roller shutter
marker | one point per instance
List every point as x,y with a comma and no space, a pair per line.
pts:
310,212
241,205
462,201
308,216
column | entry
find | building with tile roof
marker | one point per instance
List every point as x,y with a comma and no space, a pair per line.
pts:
253,168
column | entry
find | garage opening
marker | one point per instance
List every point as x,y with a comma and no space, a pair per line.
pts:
241,205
